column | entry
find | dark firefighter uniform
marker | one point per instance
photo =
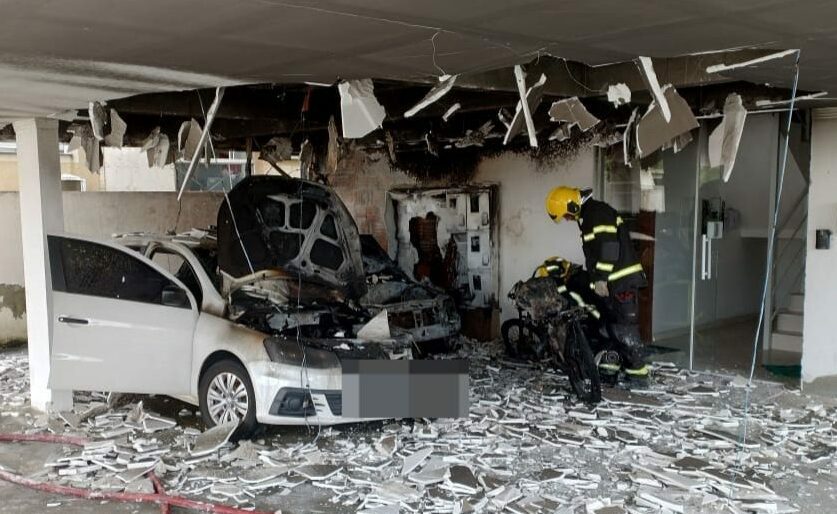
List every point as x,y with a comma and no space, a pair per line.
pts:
610,258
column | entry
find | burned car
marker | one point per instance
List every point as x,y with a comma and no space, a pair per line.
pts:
250,323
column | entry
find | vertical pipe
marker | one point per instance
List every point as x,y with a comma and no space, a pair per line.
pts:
210,117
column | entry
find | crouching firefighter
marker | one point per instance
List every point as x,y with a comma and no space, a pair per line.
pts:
615,272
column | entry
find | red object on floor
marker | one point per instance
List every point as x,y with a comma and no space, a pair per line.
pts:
160,497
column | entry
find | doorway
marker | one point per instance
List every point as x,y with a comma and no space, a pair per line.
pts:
704,246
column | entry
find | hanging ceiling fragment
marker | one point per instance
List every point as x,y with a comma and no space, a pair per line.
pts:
360,110
573,112
529,101
438,91
724,140
653,131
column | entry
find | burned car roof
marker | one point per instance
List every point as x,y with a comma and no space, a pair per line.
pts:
291,225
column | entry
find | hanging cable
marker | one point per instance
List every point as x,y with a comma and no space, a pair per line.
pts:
770,245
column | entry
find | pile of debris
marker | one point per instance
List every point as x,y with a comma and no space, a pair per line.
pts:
526,447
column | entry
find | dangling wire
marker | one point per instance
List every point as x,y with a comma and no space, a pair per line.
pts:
433,42
769,266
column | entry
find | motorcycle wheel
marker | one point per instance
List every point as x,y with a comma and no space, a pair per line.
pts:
581,366
519,339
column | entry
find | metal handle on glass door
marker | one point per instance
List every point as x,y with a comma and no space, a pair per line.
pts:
72,321
709,258
703,273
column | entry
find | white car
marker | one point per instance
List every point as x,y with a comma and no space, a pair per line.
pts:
152,315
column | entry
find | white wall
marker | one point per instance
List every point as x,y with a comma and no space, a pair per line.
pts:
126,169
819,345
527,235
99,214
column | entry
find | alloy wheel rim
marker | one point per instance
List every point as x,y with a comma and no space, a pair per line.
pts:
226,398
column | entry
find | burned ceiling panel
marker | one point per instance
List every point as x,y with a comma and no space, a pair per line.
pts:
58,56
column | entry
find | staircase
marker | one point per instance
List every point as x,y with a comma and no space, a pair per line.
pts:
787,325
786,297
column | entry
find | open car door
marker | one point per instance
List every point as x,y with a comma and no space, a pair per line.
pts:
120,322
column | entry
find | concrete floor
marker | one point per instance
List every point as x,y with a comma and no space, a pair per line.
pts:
727,349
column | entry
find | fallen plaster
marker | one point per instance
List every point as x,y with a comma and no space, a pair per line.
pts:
618,94
724,140
529,101
376,329
438,91
213,439
98,119
649,77
653,131
475,137
573,112
629,139
360,111
526,447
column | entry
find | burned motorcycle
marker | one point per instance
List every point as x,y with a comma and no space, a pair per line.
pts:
548,327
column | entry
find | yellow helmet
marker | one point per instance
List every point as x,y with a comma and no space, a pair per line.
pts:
554,267
563,201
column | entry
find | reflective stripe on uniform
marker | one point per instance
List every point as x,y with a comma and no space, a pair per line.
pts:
578,299
599,229
619,220
604,266
638,372
624,272
594,312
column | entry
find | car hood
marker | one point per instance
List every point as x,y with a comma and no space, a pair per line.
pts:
290,225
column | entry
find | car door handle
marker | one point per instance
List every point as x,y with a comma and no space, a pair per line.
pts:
73,321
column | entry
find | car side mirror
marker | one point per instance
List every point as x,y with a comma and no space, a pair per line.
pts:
173,296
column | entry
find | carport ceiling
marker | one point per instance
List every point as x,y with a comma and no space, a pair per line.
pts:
57,55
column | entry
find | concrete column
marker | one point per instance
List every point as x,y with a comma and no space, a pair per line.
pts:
819,334
41,212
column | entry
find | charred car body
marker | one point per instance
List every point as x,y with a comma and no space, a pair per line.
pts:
249,324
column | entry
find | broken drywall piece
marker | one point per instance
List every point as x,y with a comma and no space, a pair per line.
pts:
573,112
724,140
118,127
390,142
188,139
333,149
619,94
98,119
306,158
278,149
773,103
451,110
463,481
156,147
377,329
629,139
213,439
359,108
317,472
475,137
716,68
649,77
653,131
438,91
429,476
562,133
432,144
413,461
529,101
84,140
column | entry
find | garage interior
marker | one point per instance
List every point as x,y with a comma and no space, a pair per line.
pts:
438,129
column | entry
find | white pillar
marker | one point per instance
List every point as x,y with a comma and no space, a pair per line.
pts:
819,334
41,212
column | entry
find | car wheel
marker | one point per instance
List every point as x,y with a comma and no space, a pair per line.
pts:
226,394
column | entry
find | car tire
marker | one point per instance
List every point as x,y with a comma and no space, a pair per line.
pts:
222,389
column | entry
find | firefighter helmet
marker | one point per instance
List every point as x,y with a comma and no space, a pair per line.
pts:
563,202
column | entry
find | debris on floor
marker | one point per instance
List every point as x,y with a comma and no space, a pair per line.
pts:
526,447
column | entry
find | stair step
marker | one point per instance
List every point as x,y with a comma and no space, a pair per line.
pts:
787,321
786,341
797,302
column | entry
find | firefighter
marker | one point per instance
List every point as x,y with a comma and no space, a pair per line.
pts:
615,272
